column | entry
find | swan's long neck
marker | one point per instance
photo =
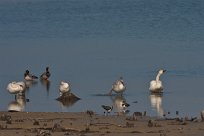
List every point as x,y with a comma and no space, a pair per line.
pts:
158,77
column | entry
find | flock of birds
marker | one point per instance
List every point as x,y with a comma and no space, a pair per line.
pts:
156,87
18,88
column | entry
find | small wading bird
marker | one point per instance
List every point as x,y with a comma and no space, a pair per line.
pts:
64,88
45,75
29,77
107,108
118,86
156,85
120,104
124,104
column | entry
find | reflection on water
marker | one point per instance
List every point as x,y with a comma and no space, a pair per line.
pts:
30,84
118,102
46,84
107,39
156,103
67,99
18,104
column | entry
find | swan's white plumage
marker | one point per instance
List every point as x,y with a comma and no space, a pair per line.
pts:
22,84
16,87
64,87
119,86
156,85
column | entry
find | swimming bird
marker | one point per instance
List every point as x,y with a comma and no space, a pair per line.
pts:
16,87
64,88
29,77
156,85
46,74
118,86
107,108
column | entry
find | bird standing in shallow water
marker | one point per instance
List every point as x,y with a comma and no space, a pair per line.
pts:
107,108
118,86
120,104
64,88
29,77
124,104
156,85
45,75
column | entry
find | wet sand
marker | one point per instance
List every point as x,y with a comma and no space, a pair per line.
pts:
89,124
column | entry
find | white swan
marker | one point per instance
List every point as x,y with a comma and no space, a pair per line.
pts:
118,86
64,87
16,87
156,85
21,83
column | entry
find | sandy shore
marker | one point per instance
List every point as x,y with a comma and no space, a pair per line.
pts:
89,124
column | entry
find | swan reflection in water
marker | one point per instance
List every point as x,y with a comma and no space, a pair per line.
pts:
156,103
120,104
18,104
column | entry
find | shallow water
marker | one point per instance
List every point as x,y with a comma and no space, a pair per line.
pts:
92,43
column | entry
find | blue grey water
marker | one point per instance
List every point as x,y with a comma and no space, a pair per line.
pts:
91,43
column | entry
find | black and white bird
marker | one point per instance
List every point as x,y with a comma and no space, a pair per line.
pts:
118,86
108,109
45,75
156,85
29,77
124,104
120,104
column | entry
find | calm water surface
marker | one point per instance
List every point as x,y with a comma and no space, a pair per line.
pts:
91,43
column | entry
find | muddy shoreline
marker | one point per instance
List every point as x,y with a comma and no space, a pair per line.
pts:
88,124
